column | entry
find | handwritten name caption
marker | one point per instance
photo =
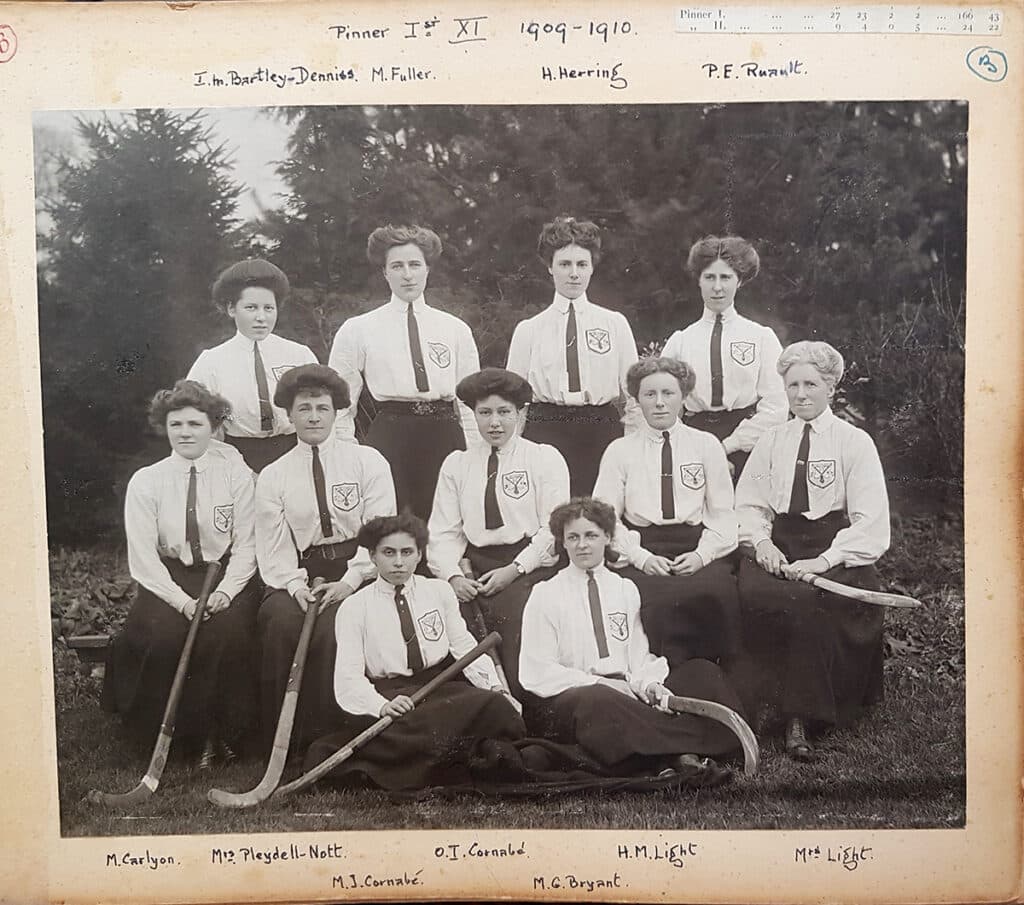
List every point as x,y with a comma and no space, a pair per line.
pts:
579,884
610,74
562,31
248,854
370,881
753,70
287,78
675,854
146,860
456,851
849,857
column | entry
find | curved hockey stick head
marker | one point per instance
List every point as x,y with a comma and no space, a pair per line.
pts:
146,787
727,717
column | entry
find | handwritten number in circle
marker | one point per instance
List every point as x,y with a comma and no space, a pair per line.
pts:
8,43
987,63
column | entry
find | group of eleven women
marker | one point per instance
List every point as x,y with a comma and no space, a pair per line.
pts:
605,542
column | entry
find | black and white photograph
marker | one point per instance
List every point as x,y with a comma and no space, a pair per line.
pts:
668,396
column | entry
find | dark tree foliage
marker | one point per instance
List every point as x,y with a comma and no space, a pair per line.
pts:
139,227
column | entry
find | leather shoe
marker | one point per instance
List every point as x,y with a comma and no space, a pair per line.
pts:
797,745
209,755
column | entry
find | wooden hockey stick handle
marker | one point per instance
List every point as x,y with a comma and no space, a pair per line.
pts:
340,756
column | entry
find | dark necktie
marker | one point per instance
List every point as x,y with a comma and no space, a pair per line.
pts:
321,494
418,366
595,615
716,362
668,499
191,522
412,644
492,514
798,503
263,391
572,351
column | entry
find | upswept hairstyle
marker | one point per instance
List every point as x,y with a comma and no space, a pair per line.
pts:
311,379
187,394
494,382
737,252
251,272
824,357
376,529
384,238
682,372
596,511
564,231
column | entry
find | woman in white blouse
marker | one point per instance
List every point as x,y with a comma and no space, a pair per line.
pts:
738,394
246,368
669,484
181,513
812,500
586,657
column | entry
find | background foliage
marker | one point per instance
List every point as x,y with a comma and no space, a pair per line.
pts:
858,211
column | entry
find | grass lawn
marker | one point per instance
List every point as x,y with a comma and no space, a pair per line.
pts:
901,766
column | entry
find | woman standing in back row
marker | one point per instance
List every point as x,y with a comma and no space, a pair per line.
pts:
738,394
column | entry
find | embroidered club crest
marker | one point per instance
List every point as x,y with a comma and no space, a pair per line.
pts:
281,370
223,517
440,354
516,484
431,625
345,496
692,475
821,473
618,626
742,353
599,341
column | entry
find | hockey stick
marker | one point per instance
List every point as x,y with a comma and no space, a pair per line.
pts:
724,715
340,756
285,723
480,624
863,595
147,785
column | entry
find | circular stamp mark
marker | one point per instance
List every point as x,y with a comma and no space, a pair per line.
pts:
8,43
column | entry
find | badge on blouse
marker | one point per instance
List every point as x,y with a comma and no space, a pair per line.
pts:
440,354
345,496
280,371
692,475
516,484
431,625
599,341
821,473
222,518
618,625
742,353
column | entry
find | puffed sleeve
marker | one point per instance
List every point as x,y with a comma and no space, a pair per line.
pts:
275,548
519,350
540,671
348,358
867,506
354,692
552,475
632,418
203,372
242,565
718,538
379,499
674,346
610,487
772,405
143,535
468,363
480,672
447,537
754,512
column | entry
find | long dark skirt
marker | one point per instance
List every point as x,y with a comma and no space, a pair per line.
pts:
581,433
415,446
808,654
722,424
259,452
219,698
628,736
279,625
687,616
503,613
432,745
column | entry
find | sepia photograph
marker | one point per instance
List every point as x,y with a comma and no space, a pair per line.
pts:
669,396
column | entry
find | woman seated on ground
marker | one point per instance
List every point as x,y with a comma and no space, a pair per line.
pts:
586,656
812,501
737,395
394,636
247,367
310,505
181,513
670,485
491,511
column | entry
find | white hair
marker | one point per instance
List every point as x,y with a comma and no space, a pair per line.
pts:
824,357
